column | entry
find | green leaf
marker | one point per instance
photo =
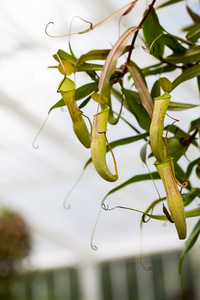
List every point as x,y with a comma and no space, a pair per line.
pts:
152,31
143,153
157,69
189,197
81,93
172,43
198,82
165,84
193,15
113,56
85,90
175,147
189,56
139,71
193,124
85,67
85,102
189,244
194,34
141,87
134,179
155,91
177,106
137,109
59,104
100,54
65,56
176,130
189,73
191,166
180,175
170,2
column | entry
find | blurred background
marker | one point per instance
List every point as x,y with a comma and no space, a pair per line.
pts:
55,259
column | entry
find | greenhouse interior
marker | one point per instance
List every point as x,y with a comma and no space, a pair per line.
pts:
82,237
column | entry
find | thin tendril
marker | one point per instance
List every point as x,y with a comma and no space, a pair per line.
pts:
68,34
33,144
124,14
154,42
141,253
93,246
64,203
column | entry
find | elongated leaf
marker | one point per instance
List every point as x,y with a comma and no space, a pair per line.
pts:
189,197
145,96
193,15
152,32
81,93
194,34
137,109
189,56
158,69
134,179
59,104
113,56
100,54
193,124
176,130
188,214
140,71
85,102
191,166
143,153
83,67
176,149
170,2
65,56
155,91
85,90
189,244
172,43
121,142
186,75
180,106
180,175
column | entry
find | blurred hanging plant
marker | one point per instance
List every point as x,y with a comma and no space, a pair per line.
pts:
15,245
148,107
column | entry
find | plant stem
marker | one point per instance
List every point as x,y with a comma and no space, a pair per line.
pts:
136,33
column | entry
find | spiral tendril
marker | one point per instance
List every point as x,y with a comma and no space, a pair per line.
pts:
33,144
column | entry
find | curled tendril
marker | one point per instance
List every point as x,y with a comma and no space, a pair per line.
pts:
33,144
69,193
68,34
141,254
93,246
105,206
143,218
